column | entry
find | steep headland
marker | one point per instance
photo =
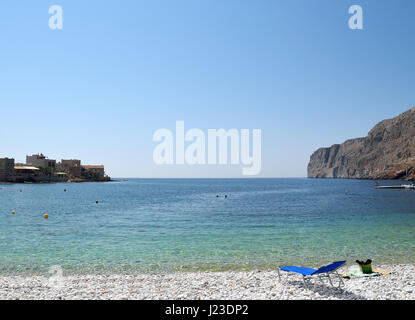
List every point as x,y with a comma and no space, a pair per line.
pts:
388,152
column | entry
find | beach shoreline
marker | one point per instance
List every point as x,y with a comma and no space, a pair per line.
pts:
229,285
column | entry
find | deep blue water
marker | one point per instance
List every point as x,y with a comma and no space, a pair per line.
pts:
159,225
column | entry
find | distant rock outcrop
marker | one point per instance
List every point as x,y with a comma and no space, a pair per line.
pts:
388,152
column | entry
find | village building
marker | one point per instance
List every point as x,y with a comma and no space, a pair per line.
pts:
71,167
39,169
95,171
26,174
6,169
40,161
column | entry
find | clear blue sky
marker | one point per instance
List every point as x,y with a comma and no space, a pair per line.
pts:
119,70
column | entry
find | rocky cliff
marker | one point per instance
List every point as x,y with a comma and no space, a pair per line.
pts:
388,152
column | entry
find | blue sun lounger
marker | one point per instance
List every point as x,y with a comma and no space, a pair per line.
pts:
322,271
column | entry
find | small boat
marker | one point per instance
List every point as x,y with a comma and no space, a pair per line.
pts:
402,186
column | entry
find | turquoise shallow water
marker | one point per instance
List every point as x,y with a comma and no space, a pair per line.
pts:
163,225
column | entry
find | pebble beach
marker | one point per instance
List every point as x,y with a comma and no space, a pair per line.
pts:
251,285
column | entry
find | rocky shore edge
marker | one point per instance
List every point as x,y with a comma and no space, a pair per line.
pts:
386,153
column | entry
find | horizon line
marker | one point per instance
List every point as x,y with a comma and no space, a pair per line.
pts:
209,177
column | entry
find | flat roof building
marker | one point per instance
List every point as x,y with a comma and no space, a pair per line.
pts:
26,173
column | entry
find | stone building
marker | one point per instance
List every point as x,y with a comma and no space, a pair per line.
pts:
39,169
7,172
40,161
95,172
71,167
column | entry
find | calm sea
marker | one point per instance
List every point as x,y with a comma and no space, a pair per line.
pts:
164,225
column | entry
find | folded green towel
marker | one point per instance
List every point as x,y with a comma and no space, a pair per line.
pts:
358,273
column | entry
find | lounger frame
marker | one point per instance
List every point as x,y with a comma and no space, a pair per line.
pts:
307,278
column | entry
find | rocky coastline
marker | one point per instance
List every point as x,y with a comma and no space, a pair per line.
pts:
387,152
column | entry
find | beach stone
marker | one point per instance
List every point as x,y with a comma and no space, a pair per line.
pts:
210,285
